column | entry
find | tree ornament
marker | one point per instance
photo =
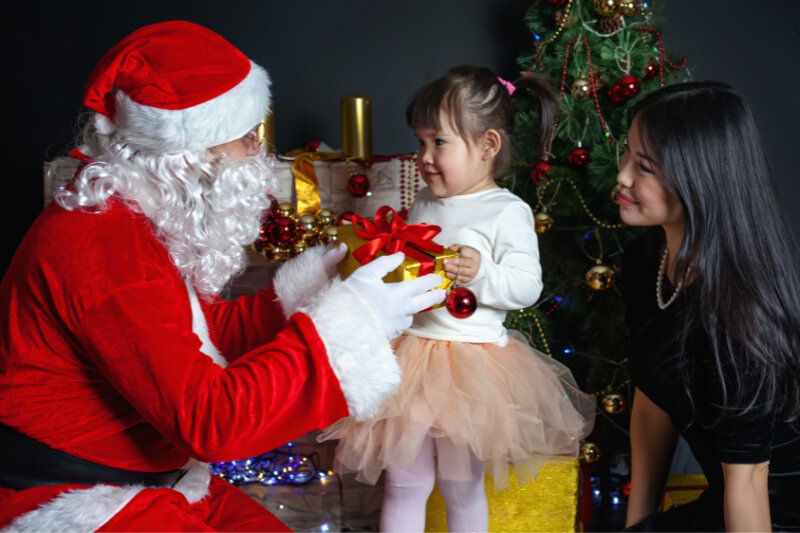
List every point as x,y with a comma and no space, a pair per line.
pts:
605,8
344,218
307,227
278,253
541,170
579,157
581,89
652,70
615,94
312,146
613,403
325,217
556,3
611,24
461,302
285,209
630,86
358,185
329,235
558,17
615,194
282,231
543,222
628,8
600,277
299,247
589,452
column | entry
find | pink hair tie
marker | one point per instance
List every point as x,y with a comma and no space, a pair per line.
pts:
508,85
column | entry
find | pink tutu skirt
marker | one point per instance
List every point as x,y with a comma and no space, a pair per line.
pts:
509,405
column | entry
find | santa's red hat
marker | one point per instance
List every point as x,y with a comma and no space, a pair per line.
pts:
177,86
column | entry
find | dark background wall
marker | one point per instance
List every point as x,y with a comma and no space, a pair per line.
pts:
319,51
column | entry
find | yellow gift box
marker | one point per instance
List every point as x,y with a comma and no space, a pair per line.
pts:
387,233
681,489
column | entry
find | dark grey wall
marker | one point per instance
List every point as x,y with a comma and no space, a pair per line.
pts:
318,51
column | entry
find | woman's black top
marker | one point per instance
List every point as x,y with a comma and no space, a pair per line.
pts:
657,370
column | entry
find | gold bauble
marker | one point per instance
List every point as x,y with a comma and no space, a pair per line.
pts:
277,253
299,247
286,209
600,277
543,222
308,225
613,403
628,8
605,8
581,89
329,234
325,217
615,194
589,452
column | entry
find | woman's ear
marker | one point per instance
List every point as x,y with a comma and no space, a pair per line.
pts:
491,143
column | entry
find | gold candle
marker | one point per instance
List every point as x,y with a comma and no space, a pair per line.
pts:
266,131
356,126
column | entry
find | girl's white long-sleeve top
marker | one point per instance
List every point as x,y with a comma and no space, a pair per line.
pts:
500,226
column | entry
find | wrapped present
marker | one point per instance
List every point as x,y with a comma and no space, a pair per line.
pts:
681,489
551,502
388,233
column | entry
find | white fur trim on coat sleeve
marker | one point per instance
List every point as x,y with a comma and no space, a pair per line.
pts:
300,279
358,350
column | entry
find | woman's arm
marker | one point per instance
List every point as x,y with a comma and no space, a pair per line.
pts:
653,440
746,497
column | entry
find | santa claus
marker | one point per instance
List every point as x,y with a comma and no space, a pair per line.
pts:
121,370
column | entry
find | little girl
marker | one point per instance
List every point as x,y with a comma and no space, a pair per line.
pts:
473,393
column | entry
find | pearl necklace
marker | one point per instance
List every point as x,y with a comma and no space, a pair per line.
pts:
660,280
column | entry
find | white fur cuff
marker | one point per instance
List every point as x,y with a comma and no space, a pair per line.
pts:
299,280
358,350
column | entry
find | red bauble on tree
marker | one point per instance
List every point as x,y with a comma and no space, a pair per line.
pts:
615,94
541,170
312,146
630,86
358,185
461,302
652,70
579,157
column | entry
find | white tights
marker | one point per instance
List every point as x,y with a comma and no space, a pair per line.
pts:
406,492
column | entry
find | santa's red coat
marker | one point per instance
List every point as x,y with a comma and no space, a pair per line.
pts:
106,354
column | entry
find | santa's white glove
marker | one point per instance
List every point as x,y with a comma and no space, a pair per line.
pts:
332,257
394,303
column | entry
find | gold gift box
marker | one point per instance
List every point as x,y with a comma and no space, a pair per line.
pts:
406,271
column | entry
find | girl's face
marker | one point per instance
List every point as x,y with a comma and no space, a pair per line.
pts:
643,198
450,165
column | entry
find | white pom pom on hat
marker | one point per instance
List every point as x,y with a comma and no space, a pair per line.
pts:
175,86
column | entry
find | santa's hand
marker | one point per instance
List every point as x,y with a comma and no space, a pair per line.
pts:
332,257
394,303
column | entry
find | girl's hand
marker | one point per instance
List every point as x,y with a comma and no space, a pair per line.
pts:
465,267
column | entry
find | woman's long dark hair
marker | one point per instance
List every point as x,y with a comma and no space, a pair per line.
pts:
737,250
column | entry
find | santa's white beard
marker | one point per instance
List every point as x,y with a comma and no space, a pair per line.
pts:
207,228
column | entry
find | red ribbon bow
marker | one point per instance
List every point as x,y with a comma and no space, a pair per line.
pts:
390,232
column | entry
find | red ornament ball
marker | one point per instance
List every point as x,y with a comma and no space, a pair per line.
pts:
652,70
312,146
358,185
541,171
556,3
461,302
344,218
579,157
616,95
631,85
282,231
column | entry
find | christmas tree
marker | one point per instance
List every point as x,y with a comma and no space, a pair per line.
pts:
602,57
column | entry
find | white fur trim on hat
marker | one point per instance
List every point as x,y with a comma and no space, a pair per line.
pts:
358,350
225,118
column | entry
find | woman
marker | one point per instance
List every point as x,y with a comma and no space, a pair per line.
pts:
715,353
